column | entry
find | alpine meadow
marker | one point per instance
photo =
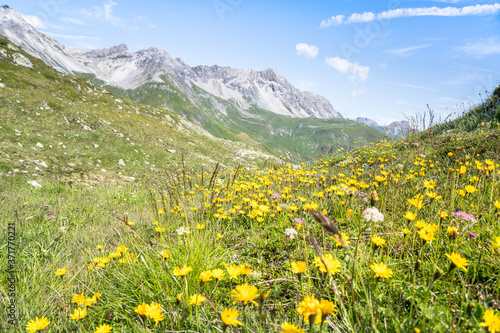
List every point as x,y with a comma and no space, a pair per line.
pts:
140,194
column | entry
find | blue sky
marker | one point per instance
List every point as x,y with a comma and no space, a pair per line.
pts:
376,59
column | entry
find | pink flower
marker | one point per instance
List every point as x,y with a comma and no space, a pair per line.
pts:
298,220
275,196
464,216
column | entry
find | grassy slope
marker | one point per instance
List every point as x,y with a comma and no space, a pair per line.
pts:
304,137
69,117
456,302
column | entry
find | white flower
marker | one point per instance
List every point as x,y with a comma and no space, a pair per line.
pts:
290,232
183,230
373,214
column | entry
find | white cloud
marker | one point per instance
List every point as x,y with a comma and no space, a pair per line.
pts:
309,51
407,51
357,93
72,20
482,48
70,37
35,21
365,17
344,66
410,12
334,20
104,12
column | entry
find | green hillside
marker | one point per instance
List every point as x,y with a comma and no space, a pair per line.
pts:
305,138
65,127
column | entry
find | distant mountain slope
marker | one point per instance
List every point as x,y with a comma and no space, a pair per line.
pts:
63,126
257,107
395,129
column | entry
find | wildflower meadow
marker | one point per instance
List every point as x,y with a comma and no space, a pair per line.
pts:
392,237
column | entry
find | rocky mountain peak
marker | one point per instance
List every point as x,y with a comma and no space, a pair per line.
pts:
112,52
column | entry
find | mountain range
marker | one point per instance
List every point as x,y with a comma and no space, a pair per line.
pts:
395,129
257,107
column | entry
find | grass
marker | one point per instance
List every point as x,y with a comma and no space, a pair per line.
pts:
420,218
244,222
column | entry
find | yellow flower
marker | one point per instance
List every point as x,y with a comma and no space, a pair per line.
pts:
179,297
332,264
443,214
349,212
378,241
245,293
326,307
311,205
433,195
299,267
234,271
343,237
217,273
104,328
154,312
37,324
457,261
200,226
428,232
497,204
450,154
61,271
452,231
245,269
89,301
406,231
381,270
470,189
196,299
161,211
491,320
205,276
410,216
159,229
182,271
130,223
310,306
78,299
290,328
78,314
496,244
229,317
429,184
219,236
165,254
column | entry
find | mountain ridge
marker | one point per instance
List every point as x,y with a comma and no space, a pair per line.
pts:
267,89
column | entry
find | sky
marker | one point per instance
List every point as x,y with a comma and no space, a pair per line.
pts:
386,60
